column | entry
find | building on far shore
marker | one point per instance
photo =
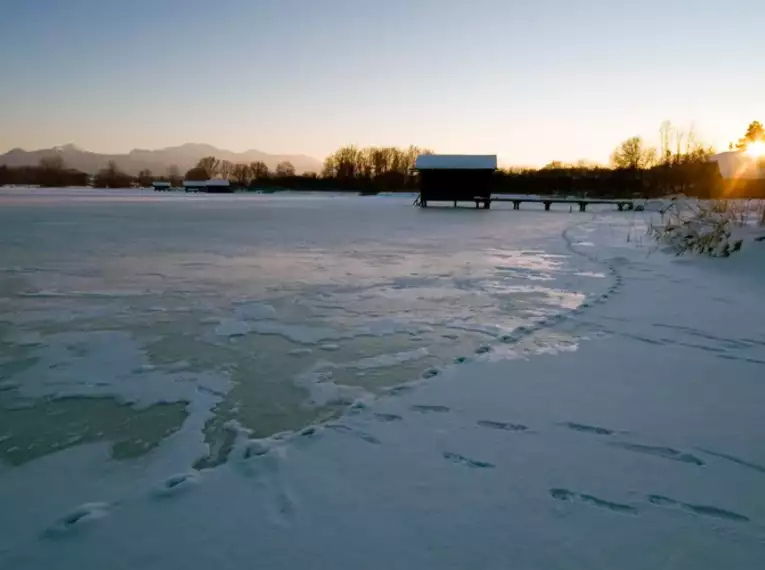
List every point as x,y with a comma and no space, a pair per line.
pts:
194,185
218,186
161,186
212,186
456,178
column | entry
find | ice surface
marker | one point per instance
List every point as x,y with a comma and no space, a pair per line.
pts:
389,359
608,417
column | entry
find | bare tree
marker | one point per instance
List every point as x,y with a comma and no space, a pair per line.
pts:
145,178
284,169
225,169
112,177
242,173
665,134
210,165
174,173
259,170
695,149
633,153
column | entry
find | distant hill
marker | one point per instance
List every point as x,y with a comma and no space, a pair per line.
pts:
158,161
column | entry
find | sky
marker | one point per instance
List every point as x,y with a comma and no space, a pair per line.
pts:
531,81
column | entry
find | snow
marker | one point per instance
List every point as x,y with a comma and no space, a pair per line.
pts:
456,162
609,415
389,359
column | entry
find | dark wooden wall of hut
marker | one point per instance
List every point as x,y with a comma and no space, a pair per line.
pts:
451,185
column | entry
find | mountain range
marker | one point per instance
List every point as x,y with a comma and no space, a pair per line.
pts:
158,161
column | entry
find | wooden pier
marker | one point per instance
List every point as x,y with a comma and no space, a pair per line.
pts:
621,204
581,202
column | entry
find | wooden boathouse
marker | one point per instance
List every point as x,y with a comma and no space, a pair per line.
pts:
468,178
161,186
212,186
455,178
218,186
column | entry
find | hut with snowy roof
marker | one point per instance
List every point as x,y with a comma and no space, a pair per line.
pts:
218,186
456,178
161,186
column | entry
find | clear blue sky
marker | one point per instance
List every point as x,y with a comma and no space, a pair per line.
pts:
532,81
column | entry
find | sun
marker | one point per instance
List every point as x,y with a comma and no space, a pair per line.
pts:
755,149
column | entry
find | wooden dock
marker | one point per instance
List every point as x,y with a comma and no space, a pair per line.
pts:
621,204
581,202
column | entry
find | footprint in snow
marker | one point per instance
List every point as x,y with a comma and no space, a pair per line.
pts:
356,408
571,497
388,418
504,426
658,451
588,429
428,409
702,510
77,518
733,459
466,461
176,484
354,432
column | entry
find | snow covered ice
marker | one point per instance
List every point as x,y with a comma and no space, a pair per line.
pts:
343,382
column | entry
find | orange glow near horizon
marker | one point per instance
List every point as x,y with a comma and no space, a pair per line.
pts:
755,149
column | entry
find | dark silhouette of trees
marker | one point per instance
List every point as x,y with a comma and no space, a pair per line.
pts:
51,171
633,153
145,178
210,165
285,169
242,173
197,173
259,170
225,169
754,133
54,163
112,177
373,167
174,174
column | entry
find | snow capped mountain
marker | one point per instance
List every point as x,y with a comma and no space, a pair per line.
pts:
158,161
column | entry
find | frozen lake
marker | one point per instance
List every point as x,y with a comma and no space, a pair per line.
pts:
124,312
343,382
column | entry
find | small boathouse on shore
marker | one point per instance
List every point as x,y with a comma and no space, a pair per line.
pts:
455,178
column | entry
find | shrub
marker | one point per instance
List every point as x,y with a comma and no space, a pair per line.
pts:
699,227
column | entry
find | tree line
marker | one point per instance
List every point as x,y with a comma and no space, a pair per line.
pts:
680,164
